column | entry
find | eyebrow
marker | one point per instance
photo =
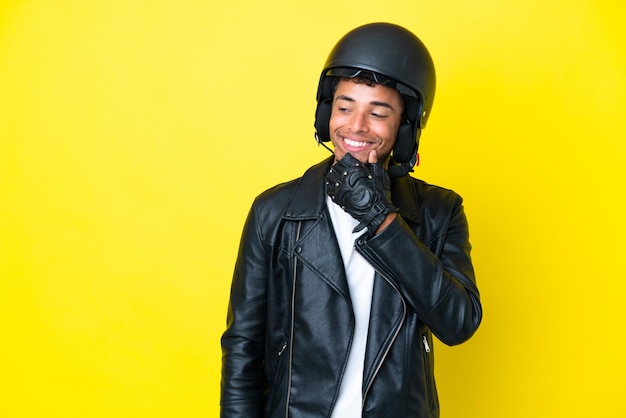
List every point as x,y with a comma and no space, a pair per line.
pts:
374,103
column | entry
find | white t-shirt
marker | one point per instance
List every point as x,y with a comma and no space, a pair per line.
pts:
360,276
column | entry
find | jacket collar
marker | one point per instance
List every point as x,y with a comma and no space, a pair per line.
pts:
309,198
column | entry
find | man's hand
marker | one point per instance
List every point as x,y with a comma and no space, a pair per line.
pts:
362,190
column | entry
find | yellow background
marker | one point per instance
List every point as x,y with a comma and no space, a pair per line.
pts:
135,134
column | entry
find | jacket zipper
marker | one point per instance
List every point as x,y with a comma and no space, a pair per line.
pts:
293,318
429,378
282,349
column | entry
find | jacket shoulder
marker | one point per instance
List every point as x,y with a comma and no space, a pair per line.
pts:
432,193
418,199
277,196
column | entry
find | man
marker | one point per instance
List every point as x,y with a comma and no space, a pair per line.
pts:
344,274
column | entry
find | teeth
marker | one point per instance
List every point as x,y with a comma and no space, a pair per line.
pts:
353,143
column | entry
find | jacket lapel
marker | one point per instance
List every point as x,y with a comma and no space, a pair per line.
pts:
318,250
387,315
317,247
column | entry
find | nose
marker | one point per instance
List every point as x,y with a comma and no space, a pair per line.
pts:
358,122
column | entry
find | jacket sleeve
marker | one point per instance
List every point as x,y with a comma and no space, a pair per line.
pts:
440,288
243,341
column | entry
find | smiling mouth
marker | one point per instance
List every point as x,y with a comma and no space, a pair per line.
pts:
356,144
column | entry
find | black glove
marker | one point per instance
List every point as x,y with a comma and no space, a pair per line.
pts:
362,190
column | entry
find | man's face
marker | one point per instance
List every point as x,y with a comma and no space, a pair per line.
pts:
364,118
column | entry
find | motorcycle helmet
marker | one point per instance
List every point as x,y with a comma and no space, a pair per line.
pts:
392,56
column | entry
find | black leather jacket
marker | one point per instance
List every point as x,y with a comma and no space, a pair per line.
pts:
290,319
